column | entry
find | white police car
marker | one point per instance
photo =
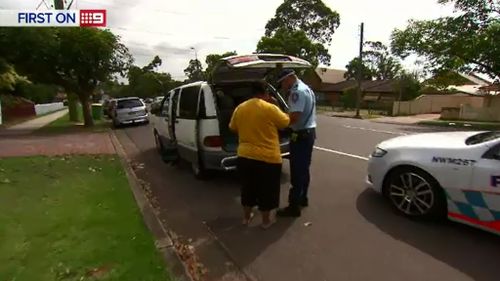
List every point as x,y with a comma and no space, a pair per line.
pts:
454,174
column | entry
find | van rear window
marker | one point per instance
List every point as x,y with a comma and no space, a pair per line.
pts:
129,103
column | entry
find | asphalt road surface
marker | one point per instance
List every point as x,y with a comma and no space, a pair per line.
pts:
347,233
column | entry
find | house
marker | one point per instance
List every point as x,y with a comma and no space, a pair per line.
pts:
321,78
468,83
373,91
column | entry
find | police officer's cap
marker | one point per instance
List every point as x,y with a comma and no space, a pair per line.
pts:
284,74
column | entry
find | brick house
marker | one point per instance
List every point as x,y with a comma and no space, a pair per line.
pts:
321,78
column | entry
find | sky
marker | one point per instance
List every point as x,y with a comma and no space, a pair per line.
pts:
171,28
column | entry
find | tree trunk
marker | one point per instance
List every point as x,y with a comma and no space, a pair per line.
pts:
87,113
72,107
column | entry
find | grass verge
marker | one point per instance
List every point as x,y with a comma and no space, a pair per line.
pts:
464,124
63,125
72,218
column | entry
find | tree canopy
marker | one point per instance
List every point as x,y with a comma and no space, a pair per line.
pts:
194,71
378,63
302,28
77,59
212,59
294,43
313,17
467,41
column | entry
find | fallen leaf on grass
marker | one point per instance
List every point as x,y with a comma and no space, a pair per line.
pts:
98,272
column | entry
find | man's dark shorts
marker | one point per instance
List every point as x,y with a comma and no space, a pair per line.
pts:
260,183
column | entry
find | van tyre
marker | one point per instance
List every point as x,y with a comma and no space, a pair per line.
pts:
414,193
199,170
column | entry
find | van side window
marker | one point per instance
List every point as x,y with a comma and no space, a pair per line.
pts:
188,105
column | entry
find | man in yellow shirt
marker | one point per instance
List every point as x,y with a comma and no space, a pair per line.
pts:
257,121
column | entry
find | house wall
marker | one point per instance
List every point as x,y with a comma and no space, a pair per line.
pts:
434,104
333,98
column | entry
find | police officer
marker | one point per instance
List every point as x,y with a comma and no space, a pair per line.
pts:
302,103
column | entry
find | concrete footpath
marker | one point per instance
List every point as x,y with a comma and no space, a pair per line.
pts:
32,125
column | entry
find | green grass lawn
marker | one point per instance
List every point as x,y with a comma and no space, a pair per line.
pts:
63,125
72,218
464,124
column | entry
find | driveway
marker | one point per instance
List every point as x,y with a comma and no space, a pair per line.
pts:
348,232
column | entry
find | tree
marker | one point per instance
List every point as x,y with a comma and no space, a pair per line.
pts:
212,59
352,71
302,28
194,71
313,17
378,63
407,86
78,59
349,97
444,79
467,41
294,43
156,62
9,78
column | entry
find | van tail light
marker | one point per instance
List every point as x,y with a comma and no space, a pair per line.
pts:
213,141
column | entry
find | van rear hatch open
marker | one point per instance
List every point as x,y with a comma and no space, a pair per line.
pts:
231,85
252,67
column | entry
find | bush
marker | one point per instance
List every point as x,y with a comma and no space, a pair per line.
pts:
348,98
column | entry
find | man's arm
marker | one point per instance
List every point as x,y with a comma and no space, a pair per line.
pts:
233,124
279,118
297,104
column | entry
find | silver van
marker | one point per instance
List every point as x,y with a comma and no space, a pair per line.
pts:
192,121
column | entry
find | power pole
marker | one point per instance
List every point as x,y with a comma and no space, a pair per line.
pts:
359,77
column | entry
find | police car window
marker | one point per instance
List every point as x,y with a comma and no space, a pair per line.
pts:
482,137
188,105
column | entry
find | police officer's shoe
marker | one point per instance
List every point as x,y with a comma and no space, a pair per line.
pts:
290,211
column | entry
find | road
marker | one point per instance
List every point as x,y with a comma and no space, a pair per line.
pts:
348,232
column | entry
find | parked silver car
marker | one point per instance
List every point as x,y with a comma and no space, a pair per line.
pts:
129,110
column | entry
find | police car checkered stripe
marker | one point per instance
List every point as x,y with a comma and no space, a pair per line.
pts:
476,205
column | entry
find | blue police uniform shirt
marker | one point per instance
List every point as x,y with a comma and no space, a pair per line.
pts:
302,99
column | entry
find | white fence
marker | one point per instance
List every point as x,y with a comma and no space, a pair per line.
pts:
45,108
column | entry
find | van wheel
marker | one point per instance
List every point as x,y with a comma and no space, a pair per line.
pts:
199,170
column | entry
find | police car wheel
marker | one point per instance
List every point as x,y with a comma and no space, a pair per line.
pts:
414,193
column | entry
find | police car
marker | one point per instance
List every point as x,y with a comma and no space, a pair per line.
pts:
453,174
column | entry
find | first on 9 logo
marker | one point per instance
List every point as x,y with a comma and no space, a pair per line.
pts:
92,18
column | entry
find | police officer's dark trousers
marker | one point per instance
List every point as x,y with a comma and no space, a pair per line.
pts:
301,148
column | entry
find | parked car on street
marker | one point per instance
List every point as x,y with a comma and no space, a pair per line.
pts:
446,174
192,121
106,107
129,110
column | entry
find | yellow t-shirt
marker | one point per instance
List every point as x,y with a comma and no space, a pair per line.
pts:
257,122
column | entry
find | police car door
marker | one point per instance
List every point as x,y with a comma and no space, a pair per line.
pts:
486,174
186,123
